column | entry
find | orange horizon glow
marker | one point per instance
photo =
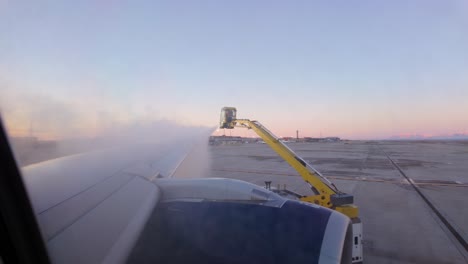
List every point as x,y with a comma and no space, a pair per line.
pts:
90,126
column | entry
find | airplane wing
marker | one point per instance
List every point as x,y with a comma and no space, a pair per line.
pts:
91,206
121,205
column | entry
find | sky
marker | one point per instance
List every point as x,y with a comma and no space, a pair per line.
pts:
353,69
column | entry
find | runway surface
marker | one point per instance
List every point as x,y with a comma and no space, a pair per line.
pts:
412,195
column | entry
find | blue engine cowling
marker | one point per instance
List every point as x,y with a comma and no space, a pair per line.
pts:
243,232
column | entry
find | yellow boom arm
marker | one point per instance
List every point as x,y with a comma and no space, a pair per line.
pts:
326,193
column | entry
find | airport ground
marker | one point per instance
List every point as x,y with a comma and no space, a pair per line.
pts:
399,225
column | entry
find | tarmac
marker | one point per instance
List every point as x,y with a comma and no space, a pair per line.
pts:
412,195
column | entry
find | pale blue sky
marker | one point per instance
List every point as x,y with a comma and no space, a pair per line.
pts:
356,69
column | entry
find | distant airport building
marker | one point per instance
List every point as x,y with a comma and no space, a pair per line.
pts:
326,139
311,139
230,140
225,140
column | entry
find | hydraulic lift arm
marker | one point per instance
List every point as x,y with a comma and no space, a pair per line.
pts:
325,193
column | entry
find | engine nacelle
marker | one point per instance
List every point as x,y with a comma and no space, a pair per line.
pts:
239,222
